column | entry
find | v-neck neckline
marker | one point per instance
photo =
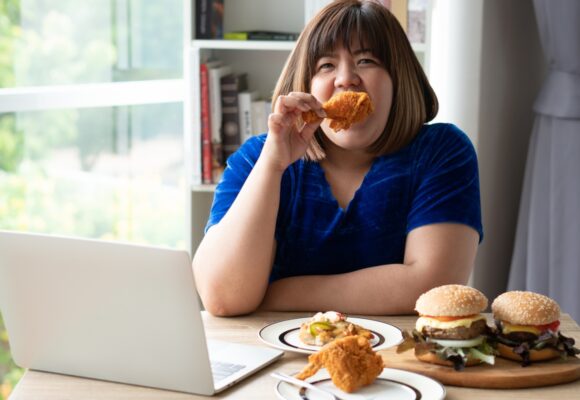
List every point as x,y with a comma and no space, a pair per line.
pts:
330,195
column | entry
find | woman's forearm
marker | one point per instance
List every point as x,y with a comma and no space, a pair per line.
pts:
435,255
233,263
234,260
371,291
388,289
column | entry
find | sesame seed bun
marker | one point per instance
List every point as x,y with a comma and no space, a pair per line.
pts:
547,353
525,308
451,301
432,358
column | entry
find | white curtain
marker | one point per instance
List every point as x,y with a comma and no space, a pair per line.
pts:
546,256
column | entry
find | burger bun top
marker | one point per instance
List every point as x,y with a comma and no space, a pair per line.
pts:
451,301
525,308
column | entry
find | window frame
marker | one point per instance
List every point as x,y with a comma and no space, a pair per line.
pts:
91,95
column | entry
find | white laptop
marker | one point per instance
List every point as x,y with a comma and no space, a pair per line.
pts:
116,312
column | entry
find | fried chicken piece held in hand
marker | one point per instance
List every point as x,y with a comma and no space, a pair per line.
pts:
343,109
350,361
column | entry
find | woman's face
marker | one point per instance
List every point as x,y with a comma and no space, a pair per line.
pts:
357,71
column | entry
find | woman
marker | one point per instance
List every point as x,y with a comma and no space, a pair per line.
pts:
359,221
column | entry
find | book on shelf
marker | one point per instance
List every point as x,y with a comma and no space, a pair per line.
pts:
261,109
231,86
206,151
399,8
215,98
209,19
245,100
261,35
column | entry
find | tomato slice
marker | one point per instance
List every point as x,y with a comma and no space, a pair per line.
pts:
448,319
553,326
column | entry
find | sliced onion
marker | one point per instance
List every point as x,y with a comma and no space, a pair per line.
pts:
486,358
458,343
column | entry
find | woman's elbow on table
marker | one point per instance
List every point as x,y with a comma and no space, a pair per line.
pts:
223,301
224,298
219,307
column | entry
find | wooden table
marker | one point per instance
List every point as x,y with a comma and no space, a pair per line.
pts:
45,386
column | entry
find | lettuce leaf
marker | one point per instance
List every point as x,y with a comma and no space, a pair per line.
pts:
457,355
562,344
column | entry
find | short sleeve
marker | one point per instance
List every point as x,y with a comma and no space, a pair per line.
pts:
238,167
446,180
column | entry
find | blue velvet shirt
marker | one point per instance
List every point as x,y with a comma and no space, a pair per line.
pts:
433,179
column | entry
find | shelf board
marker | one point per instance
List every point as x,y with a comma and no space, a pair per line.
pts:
262,45
244,44
208,188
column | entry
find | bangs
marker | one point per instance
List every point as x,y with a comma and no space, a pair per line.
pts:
348,27
349,24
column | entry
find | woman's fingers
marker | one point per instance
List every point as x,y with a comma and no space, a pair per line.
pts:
309,100
298,102
308,131
282,121
288,135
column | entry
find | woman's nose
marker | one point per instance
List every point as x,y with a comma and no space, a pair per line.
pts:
346,76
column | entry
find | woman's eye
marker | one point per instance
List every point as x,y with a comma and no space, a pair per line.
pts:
325,66
366,61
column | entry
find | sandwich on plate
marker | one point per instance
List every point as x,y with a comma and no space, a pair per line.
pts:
527,328
324,327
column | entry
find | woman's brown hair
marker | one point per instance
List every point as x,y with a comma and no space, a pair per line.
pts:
341,23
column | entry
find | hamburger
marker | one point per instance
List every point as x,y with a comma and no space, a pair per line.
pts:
527,328
451,330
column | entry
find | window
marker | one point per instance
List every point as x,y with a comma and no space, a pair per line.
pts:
60,42
91,132
107,172
91,125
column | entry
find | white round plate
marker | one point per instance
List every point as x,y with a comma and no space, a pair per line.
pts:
391,384
284,335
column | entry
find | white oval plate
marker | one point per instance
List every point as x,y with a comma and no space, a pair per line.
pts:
284,335
391,384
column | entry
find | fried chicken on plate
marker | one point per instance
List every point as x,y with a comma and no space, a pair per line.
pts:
350,361
343,109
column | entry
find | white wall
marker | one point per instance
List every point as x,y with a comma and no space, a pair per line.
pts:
487,67
455,61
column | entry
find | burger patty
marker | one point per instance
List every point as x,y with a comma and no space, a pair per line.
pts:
459,333
521,337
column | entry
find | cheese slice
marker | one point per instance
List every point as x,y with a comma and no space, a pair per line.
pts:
435,323
509,328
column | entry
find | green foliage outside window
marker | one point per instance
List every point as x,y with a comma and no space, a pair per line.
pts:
11,147
9,372
9,31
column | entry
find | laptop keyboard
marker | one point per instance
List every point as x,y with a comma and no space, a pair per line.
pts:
222,370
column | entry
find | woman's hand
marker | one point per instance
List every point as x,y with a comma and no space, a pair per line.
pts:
287,141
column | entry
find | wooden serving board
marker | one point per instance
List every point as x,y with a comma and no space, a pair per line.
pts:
505,374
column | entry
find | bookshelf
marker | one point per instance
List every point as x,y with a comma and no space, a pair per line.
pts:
242,45
261,60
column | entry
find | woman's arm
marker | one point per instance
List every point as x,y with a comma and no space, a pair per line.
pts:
435,255
233,262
